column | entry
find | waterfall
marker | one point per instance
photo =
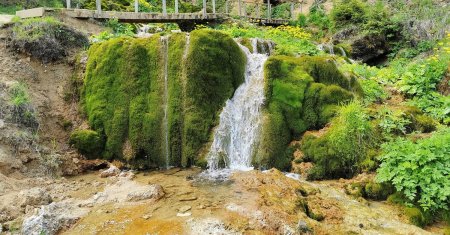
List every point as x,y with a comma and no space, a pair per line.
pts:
165,128
237,135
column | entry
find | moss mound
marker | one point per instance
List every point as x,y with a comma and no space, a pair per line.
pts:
125,96
46,38
88,142
302,93
341,151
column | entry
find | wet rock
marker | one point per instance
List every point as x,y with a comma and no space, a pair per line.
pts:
111,171
34,197
127,174
52,218
302,227
184,214
191,198
369,48
154,191
146,217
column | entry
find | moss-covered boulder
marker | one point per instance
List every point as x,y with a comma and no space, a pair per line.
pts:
87,142
301,94
156,100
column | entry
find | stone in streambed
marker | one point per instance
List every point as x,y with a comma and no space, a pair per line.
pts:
184,209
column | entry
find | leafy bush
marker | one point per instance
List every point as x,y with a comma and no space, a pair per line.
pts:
420,170
87,142
346,12
346,144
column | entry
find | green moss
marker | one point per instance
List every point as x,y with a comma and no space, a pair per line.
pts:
417,216
247,43
124,94
87,142
378,191
177,46
302,93
340,151
215,68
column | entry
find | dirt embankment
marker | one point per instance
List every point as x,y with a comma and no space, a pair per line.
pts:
36,118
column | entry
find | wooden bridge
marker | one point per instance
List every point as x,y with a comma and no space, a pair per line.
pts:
163,17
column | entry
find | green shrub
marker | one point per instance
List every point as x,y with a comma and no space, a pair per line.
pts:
22,111
87,142
419,169
347,12
340,151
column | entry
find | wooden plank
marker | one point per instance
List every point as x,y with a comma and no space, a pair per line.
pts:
29,13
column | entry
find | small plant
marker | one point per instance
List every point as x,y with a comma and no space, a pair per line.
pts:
392,123
420,170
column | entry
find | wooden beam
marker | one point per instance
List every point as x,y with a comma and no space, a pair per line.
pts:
268,9
68,4
136,6
292,10
214,6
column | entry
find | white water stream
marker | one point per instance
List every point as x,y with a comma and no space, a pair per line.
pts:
237,135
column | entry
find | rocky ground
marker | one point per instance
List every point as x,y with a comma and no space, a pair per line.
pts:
181,202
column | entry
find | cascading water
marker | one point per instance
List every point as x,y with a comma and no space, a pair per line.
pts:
165,128
237,135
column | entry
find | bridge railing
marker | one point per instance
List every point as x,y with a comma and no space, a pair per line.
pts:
242,8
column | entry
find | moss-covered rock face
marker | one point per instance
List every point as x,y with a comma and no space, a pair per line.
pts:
126,94
301,94
88,142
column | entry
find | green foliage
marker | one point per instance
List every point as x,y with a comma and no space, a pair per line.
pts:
346,12
339,152
301,93
22,110
289,40
87,142
282,11
417,216
420,170
215,68
19,95
118,30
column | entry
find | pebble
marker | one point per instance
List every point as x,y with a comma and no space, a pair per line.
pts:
184,209
184,214
193,198
146,217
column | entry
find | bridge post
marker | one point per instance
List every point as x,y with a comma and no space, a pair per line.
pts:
268,9
99,6
176,6
214,6
292,10
258,11
244,9
226,7
204,8
68,4
136,6
164,7
240,8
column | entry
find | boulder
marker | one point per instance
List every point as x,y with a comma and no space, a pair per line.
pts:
153,191
52,218
34,197
111,171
